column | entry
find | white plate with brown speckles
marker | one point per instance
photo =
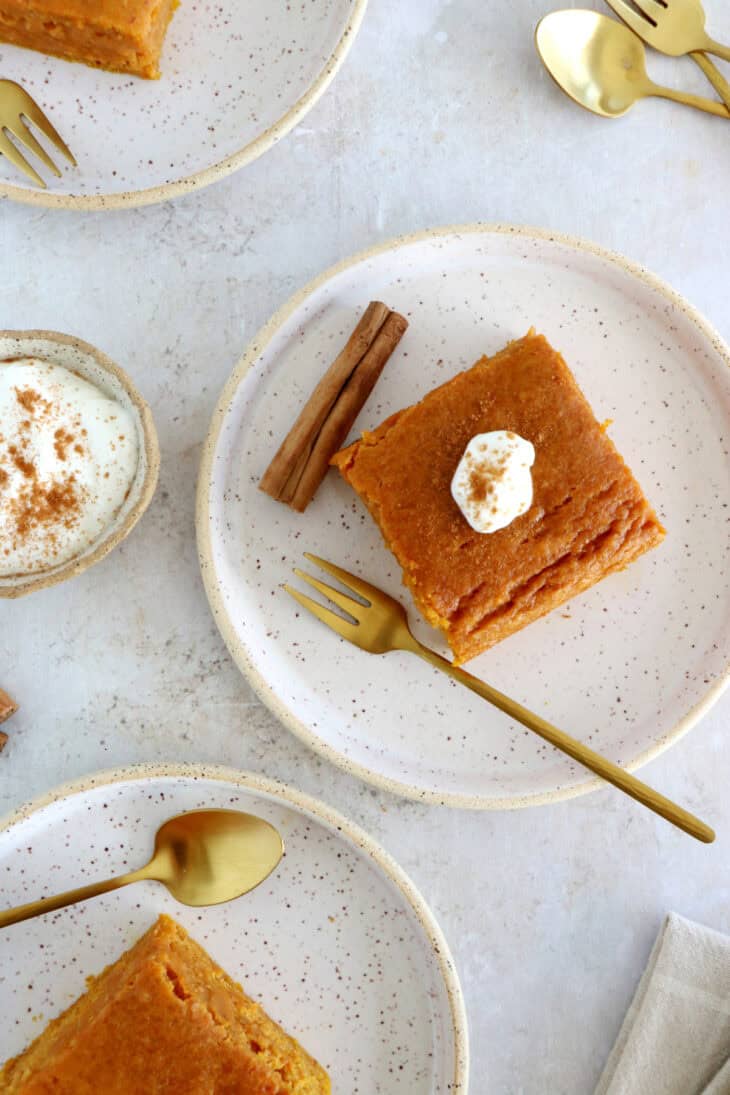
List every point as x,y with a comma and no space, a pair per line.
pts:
628,666
237,75
337,944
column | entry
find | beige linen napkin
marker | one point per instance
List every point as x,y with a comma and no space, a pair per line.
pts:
675,1039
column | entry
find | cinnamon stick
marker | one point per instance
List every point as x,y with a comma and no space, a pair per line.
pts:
8,706
298,442
346,409
302,460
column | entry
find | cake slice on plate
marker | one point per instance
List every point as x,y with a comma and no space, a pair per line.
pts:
164,1018
120,35
586,516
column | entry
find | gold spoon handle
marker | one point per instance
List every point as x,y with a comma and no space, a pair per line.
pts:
713,74
602,767
71,897
696,101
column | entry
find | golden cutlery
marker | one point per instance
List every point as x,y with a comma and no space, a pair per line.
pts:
675,27
203,858
601,64
669,27
378,624
16,110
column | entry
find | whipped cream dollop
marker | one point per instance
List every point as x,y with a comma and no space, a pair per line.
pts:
68,457
493,483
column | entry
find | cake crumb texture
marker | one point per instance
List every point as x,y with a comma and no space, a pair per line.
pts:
164,1019
118,35
588,518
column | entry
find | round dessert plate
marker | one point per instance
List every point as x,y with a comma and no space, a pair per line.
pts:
627,667
337,944
237,75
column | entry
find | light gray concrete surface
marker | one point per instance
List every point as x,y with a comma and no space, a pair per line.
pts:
441,114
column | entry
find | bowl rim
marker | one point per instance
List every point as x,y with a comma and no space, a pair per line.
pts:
238,649
31,582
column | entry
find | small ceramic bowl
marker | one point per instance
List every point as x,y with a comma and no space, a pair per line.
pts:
95,367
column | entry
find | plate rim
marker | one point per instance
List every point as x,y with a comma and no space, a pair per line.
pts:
239,651
131,199
304,803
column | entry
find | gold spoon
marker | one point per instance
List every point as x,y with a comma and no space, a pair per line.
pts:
204,858
675,29
601,64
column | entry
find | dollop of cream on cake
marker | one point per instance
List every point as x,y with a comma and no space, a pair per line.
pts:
68,457
493,483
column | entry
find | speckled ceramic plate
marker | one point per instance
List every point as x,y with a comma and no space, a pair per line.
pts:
237,75
628,666
337,944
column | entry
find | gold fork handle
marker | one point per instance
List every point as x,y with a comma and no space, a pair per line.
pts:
708,105
718,49
71,897
602,767
713,74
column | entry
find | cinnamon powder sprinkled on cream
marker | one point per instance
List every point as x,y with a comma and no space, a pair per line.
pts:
45,504
492,484
59,441
62,439
40,502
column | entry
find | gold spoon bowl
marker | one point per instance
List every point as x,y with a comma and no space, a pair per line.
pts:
601,64
206,857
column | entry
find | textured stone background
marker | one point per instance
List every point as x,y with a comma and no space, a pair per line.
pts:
441,114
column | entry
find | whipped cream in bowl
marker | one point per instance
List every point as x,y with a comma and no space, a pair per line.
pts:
78,458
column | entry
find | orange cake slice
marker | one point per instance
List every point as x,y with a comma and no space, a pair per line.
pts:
119,35
588,515
164,1018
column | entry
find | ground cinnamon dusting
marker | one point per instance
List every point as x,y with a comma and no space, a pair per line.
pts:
482,479
40,504
62,439
29,399
479,486
46,504
20,462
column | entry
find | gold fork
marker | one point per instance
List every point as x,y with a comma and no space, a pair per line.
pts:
676,27
379,624
16,110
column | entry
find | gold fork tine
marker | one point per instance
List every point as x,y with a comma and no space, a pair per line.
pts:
347,604
33,113
343,627
638,23
11,152
370,593
21,132
650,8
